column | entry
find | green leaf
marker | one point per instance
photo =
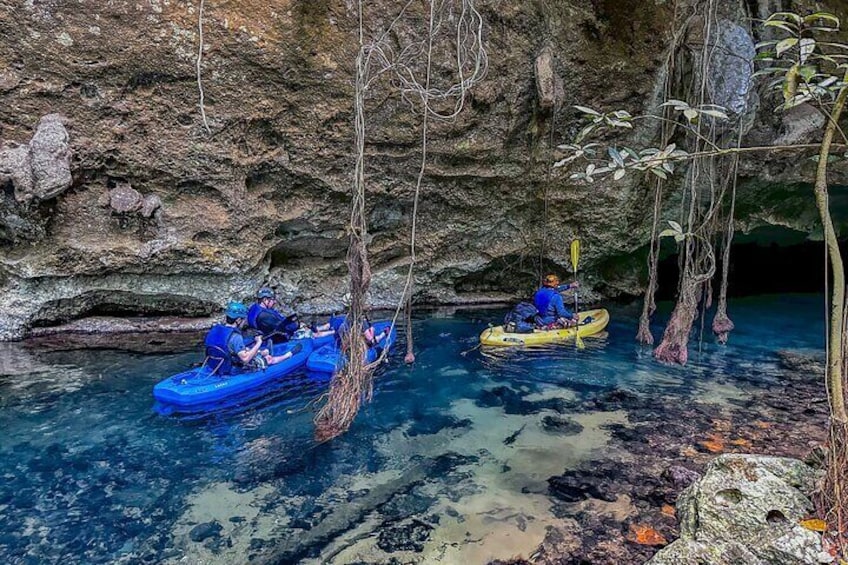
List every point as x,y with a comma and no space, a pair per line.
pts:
762,44
619,174
807,46
822,16
660,173
785,45
690,114
716,114
679,237
778,16
675,226
788,28
584,132
616,156
668,233
589,111
677,104
807,72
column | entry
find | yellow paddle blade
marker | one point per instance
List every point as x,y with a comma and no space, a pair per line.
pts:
575,253
579,342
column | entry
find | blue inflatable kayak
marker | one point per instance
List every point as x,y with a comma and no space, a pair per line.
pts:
199,386
329,359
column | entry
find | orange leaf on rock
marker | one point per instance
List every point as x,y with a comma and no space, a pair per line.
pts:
688,451
645,535
668,510
762,425
713,446
814,524
741,442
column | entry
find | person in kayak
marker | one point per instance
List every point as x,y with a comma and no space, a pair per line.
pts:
225,344
552,310
263,316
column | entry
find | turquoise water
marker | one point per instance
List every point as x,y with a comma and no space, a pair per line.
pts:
92,474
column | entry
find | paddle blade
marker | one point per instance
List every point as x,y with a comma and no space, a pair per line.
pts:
575,253
579,342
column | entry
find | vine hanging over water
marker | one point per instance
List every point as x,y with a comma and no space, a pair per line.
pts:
452,25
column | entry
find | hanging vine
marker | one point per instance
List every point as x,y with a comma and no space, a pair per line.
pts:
378,62
197,66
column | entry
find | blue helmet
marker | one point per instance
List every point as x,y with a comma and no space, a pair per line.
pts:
236,310
265,292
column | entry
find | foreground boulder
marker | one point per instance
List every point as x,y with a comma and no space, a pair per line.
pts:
746,509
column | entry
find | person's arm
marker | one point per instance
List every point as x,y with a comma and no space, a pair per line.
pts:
567,286
561,310
246,355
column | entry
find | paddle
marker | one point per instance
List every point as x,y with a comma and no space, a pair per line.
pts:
575,258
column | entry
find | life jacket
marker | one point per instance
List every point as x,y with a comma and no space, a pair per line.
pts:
542,299
521,319
286,325
218,355
253,313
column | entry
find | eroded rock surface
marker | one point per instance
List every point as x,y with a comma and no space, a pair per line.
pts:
746,507
264,198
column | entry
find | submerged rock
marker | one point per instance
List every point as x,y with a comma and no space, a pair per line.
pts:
205,530
560,425
409,536
746,508
803,364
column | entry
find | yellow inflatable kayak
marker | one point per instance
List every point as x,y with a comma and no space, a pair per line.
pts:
597,321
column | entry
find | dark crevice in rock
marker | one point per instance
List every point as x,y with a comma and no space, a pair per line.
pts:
120,304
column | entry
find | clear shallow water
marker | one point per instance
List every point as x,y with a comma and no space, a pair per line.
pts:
447,464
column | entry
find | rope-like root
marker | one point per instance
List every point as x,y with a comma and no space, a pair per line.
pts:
674,347
832,498
199,58
353,383
409,358
348,389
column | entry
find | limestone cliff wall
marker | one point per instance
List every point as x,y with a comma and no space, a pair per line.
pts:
160,217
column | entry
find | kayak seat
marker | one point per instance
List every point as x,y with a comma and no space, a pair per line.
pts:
219,360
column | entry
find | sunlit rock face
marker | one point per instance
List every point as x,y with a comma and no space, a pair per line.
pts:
264,198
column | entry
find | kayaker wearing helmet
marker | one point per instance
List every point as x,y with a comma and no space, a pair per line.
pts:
226,349
552,310
269,321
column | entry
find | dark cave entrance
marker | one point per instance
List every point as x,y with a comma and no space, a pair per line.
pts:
768,261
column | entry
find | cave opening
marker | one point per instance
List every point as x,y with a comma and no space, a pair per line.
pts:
760,264
120,304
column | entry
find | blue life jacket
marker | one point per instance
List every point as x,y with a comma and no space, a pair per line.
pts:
220,358
253,313
542,300
287,325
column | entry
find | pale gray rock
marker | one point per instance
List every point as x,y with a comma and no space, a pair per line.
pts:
124,199
50,154
731,67
150,204
16,166
40,170
746,509
547,87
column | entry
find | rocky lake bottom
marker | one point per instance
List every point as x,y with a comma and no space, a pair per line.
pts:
551,454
